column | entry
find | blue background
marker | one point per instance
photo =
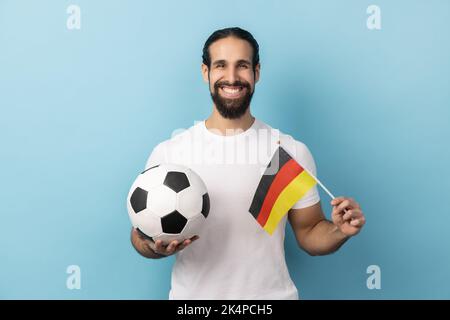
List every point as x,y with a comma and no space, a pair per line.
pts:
81,111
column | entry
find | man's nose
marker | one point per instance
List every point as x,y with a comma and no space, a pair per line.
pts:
231,75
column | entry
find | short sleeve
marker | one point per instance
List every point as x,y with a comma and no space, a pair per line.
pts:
304,157
156,157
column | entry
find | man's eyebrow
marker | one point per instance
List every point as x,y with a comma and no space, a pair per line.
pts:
219,62
237,62
244,61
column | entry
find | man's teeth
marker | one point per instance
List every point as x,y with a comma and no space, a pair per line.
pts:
231,90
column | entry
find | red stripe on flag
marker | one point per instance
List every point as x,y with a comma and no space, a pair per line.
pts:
285,175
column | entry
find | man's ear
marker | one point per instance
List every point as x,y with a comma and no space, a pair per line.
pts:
257,71
205,71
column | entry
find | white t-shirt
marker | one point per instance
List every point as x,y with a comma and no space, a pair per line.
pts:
234,258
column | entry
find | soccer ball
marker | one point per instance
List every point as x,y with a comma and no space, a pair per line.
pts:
168,202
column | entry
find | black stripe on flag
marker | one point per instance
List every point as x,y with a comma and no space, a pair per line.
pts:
279,159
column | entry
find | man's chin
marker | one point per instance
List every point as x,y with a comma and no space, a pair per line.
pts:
231,108
233,105
232,111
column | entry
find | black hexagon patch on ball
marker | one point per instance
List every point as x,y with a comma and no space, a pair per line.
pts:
138,199
174,222
205,205
176,181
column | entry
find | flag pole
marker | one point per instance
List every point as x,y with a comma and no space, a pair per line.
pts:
320,183
323,187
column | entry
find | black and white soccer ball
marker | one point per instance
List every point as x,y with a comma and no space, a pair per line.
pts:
168,202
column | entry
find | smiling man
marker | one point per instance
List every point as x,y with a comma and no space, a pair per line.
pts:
233,257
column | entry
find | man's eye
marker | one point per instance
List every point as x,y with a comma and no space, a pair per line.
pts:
243,66
220,66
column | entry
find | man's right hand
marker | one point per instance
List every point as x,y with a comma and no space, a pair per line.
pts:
151,249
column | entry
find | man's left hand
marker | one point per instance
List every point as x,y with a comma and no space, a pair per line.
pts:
350,221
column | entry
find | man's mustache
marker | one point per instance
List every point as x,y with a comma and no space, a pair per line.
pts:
234,84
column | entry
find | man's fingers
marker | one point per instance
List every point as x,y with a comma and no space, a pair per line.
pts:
186,243
347,216
337,200
346,204
357,222
343,205
183,245
172,246
159,248
352,214
337,211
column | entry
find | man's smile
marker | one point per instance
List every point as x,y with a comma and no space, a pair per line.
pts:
232,92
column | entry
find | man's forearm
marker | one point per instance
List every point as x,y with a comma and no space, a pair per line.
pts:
324,238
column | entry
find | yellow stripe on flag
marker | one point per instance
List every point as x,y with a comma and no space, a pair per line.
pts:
293,192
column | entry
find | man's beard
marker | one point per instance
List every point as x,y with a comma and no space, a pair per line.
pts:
232,108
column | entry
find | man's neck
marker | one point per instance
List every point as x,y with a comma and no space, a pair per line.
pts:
227,126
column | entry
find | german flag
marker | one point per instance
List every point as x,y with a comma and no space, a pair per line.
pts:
278,191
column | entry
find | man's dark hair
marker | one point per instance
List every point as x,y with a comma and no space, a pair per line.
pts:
231,32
